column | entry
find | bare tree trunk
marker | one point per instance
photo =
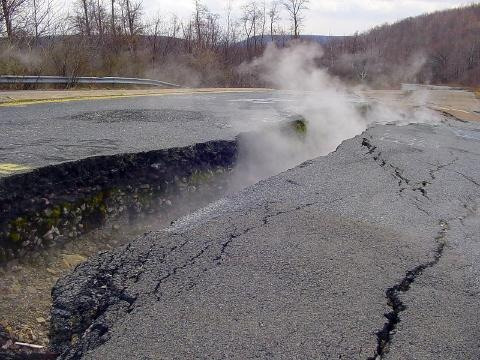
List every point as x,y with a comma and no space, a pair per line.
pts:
113,18
7,16
198,22
100,12
35,19
264,21
130,19
273,15
87,20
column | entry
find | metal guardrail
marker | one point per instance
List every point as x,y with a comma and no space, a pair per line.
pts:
14,79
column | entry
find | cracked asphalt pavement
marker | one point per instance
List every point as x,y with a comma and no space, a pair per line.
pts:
370,252
38,135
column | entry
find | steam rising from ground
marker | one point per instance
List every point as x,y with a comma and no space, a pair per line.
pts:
333,112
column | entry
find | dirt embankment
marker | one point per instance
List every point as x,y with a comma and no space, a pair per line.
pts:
54,218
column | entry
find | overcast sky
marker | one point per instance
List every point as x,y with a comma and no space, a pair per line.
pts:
325,17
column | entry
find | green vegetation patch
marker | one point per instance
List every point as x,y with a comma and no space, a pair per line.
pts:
300,126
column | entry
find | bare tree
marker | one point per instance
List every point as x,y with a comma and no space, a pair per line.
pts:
112,17
99,17
81,20
274,17
230,33
247,24
40,18
198,19
161,36
295,9
69,55
171,35
253,21
263,20
132,12
10,10
228,22
91,17
154,30
86,16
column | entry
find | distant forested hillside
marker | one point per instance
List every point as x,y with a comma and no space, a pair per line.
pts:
439,48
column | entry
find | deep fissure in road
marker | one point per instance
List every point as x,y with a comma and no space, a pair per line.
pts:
56,217
100,203
384,336
393,294
56,204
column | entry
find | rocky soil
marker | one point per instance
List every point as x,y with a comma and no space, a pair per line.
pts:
26,283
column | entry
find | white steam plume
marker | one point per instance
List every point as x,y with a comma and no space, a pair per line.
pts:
333,112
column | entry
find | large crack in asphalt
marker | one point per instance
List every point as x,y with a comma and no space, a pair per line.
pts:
393,294
385,335
398,173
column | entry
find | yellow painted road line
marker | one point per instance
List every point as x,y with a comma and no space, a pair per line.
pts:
108,97
453,109
7,169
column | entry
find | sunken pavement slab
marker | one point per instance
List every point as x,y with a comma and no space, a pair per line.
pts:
369,252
